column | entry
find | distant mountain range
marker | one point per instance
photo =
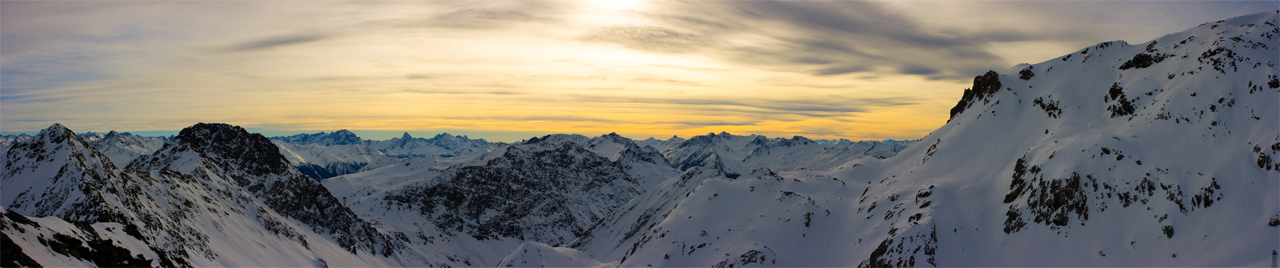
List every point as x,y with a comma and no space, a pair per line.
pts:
1164,153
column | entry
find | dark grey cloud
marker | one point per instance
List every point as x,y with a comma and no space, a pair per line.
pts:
920,70
814,37
710,123
841,70
276,41
531,118
824,106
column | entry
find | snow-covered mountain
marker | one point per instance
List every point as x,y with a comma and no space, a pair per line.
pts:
214,186
736,155
662,145
325,155
542,192
442,144
340,137
7,141
1154,154
121,148
548,189
214,195
447,205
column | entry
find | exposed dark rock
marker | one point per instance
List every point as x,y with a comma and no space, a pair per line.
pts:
983,86
526,193
1122,106
235,147
330,170
1141,60
1050,107
12,256
101,252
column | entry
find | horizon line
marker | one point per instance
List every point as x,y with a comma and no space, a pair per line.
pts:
378,134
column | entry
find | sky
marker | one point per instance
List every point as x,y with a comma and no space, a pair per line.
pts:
509,70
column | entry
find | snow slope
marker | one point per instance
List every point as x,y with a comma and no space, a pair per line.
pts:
1103,157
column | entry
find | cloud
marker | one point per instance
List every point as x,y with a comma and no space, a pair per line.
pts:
649,39
709,123
276,41
920,70
806,66
841,70
489,15
459,92
816,107
666,81
814,37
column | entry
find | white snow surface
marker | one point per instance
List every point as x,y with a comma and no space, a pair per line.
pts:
534,254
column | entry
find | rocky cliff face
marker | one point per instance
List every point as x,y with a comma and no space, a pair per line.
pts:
549,189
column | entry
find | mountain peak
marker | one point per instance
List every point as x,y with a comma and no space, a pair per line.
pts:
344,137
614,136
445,136
340,137
57,133
406,136
1261,17
56,128
236,145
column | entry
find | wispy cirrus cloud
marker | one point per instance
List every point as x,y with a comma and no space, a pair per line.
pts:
276,41
847,69
814,37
